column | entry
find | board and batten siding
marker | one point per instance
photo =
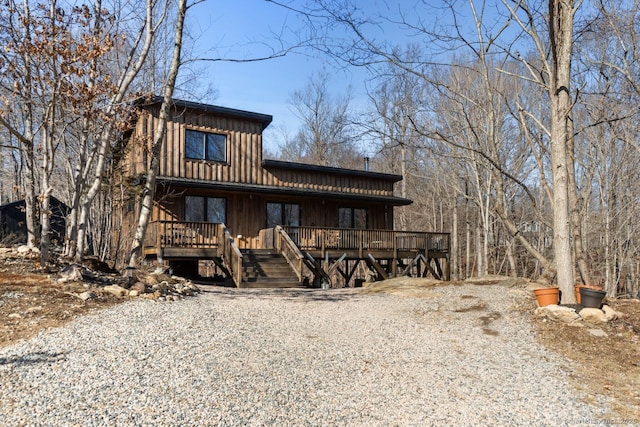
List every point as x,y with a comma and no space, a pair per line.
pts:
244,157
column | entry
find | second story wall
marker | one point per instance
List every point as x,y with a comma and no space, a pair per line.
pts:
239,135
242,146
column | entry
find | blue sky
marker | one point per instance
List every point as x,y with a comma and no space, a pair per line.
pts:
242,28
236,29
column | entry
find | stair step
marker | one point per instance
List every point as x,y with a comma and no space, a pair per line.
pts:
260,252
267,268
271,283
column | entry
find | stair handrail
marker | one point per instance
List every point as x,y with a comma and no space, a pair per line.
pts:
231,255
290,251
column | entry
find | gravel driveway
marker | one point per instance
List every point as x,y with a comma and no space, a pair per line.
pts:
455,355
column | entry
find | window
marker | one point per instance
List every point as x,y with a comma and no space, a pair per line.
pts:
206,146
352,218
205,209
283,214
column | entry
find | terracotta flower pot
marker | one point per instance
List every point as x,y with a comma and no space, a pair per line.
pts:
577,291
591,297
547,296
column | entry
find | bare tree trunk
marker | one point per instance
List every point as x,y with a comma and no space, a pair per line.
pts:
45,197
479,251
30,198
158,137
575,204
403,186
468,245
561,14
485,232
453,256
132,68
512,261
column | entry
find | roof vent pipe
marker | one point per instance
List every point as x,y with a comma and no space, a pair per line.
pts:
366,164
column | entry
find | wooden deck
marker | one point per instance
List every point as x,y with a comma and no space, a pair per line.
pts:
358,243
183,239
311,251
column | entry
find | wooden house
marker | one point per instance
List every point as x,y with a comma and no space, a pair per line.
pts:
267,222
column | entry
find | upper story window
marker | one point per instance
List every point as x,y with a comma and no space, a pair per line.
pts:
206,146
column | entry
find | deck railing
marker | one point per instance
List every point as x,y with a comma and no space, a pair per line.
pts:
287,247
231,255
320,238
182,234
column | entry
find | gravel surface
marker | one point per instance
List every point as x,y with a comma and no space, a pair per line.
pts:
459,355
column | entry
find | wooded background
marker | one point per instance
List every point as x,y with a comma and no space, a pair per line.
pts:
514,123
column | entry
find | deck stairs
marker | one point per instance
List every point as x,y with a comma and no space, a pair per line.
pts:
267,268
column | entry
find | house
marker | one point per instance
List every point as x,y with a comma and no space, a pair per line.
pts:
261,220
13,222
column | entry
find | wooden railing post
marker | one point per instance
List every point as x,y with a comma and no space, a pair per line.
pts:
288,248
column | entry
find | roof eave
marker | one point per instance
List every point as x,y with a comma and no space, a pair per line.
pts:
286,191
264,119
279,164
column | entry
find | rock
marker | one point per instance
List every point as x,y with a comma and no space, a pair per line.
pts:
558,313
133,293
24,249
578,323
594,315
116,290
95,264
33,309
161,287
86,295
15,316
370,277
71,273
610,314
597,332
140,287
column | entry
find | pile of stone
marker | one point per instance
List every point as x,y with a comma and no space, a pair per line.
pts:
580,317
158,285
135,283
574,317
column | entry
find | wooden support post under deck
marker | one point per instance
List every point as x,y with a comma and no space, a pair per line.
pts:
376,266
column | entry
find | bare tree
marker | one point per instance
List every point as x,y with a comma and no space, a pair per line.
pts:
158,137
326,135
134,60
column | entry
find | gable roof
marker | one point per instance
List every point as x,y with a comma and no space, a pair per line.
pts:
264,119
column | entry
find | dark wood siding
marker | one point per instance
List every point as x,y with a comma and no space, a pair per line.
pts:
244,157
246,213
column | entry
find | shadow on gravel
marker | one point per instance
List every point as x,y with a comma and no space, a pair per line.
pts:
32,359
293,294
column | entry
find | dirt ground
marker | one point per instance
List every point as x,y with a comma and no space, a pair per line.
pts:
32,300
603,366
